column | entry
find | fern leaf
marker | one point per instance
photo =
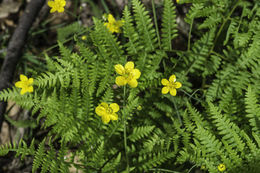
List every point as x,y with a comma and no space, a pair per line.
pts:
132,46
39,156
169,25
253,110
140,132
144,26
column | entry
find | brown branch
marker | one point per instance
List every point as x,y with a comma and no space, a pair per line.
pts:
15,47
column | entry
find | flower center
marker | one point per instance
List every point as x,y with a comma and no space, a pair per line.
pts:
172,85
26,84
128,75
109,110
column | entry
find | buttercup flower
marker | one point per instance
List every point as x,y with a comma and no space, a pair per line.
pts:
107,112
129,74
113,25
84,37
25,84
221,167
57,5
170,85
139,108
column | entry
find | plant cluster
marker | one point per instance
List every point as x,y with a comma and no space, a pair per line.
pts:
211,124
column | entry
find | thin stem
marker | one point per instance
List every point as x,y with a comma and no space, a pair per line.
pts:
163,170
222,26
177,111
70,13
125,137
105,6
191,168
156,25
217,54
190,35
191,96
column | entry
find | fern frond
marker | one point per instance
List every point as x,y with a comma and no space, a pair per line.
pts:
65,32
169,25
140,132
231,29
253,110
144,26
155,159
132,46
197,60
211,21
39,156
229,130
212,145
26,101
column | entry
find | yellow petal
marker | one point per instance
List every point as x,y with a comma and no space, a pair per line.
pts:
104,104
30,80
136,73
113,116
63,3
164,81
105,118
178,84
133,83
120,69
129,66
111,18
60,10
120,80
23,78
19,84
23,91
172,78
30,89
114,107
165,90
117,30
51,3
52,10
100,110
173,91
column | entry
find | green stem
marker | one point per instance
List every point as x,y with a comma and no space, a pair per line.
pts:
125,137
222,26
217,54
177,111
104,4
156,25
190,35
192,168
163,170
191,95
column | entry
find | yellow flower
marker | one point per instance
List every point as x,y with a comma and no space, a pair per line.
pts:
84,37
128,74
203,167
113,25
170,85
221,167
25,84
107,112
139,108
177,1
57,5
